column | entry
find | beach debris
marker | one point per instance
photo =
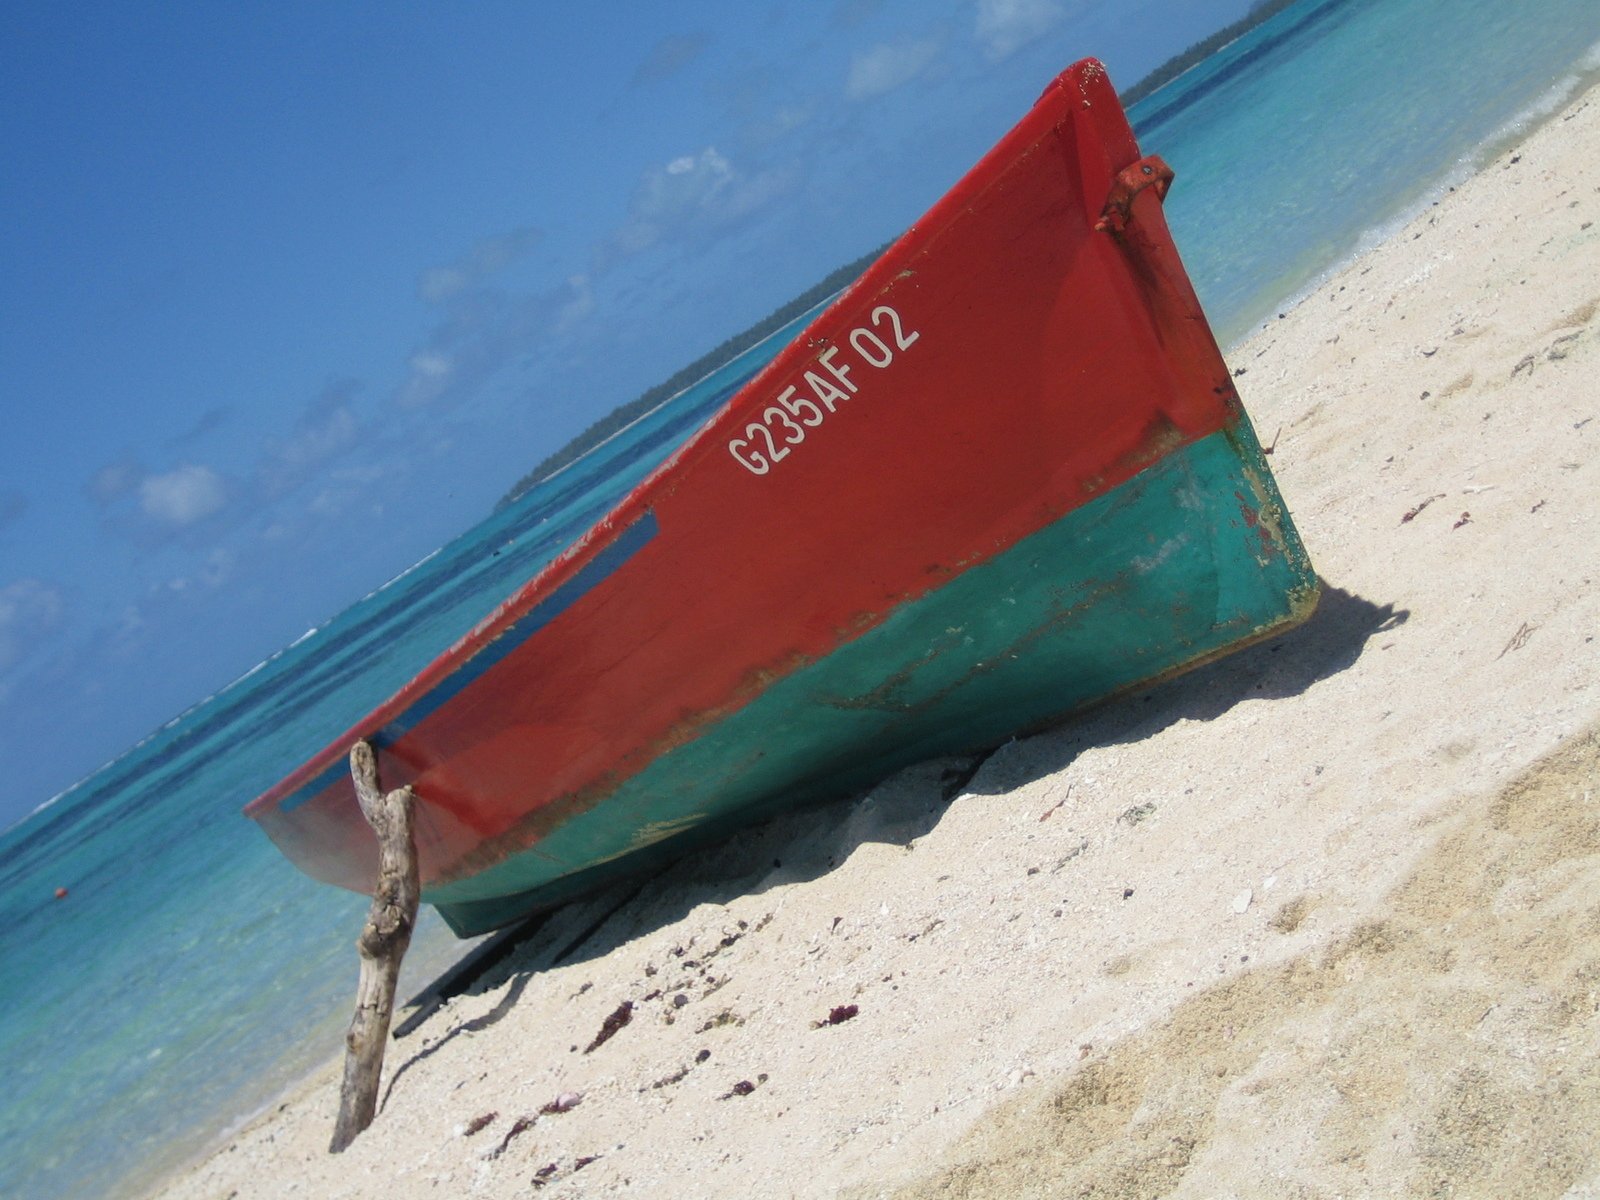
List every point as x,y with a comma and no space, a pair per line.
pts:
478,1124
542,1175
1412,514
1273,445
565,1102
1537,507
837,1016
1519,639
580,1163
1127,893
1464,519
619,1017
743,1088
1290,914
382,944
61,893
726,1017
1242,900
1135,814
680,1074
1050,812
520,1126
677,1076
1083,844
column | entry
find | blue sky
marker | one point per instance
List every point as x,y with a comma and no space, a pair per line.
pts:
290,294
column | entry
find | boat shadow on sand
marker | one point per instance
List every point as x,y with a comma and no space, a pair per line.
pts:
808,844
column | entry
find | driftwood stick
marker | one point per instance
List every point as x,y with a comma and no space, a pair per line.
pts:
382,944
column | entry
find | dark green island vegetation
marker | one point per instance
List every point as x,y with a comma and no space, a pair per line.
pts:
1201,50
624,415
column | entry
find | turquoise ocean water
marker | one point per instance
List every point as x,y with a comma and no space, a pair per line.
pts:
193,974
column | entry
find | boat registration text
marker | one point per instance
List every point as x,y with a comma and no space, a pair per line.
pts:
834,375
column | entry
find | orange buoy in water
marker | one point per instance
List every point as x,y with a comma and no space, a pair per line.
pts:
61,893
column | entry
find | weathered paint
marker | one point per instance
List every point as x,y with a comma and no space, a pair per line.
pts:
1004,475
1163,573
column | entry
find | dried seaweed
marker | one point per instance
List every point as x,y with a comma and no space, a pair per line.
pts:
522,1125
618,1018
743,1088
837,1016
1412,514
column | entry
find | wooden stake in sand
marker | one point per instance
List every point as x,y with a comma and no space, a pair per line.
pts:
382,944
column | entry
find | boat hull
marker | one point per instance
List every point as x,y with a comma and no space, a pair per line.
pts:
1004,476
1165,572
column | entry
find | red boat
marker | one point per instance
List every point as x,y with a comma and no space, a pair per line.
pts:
1002,476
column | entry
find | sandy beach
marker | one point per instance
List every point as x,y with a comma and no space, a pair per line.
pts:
1321,919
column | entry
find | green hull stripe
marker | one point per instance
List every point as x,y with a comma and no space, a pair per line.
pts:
1193,556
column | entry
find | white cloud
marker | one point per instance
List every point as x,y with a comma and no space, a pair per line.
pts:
314,443
440,283
114,481
345,487
579,306
212,419
676,194
325,427
887,67
669,56
492,254
775,125
216,570
428,379
1005,26
692,195
183,496
482,332
29,610
430,366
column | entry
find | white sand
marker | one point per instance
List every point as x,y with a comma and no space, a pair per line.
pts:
1298,924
